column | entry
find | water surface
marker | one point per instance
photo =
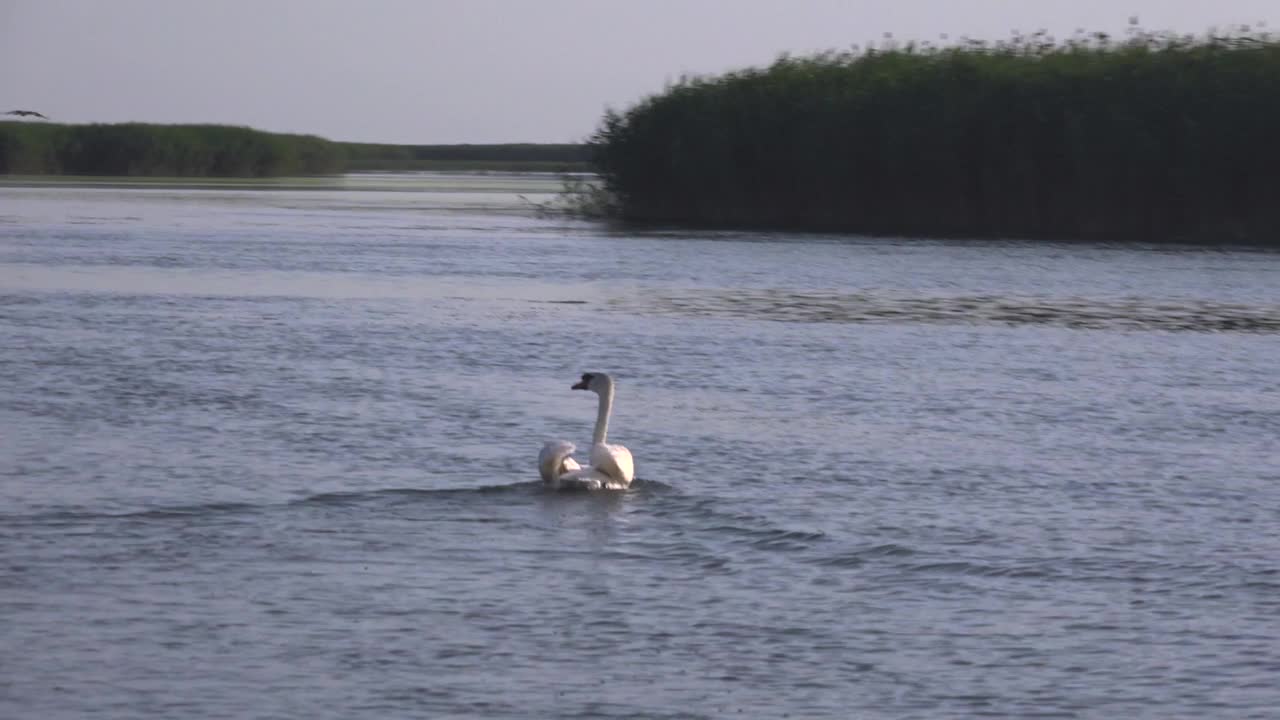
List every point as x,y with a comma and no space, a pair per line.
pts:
268,450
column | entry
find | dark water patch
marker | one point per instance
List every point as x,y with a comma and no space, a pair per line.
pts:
779,540
603,710
983,569
861,556
872,308
99,220
714,518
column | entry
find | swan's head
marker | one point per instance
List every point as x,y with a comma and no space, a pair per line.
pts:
595,382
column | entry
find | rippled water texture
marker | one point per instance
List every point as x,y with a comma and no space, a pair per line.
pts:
268,450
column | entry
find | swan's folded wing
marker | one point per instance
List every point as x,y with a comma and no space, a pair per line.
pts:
554,460
615,462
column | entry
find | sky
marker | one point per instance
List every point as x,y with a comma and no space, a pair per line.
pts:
478,71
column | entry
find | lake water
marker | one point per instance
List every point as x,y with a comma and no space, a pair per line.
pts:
268,450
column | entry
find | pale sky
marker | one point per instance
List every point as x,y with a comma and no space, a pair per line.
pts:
445,71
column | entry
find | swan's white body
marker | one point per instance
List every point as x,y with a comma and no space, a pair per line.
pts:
610,466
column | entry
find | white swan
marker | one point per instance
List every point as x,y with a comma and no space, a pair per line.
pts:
611,466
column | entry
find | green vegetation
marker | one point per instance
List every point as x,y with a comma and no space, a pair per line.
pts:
1153,137
162,150
139,149
511,156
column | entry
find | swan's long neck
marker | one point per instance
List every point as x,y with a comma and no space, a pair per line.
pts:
602,415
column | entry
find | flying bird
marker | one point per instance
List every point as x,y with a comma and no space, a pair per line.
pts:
27,113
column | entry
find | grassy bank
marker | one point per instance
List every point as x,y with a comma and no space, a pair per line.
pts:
147,150
1153,137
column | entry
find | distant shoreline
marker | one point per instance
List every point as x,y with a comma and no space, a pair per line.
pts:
516,157
223,151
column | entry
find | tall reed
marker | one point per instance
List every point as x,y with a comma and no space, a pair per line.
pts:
1150,137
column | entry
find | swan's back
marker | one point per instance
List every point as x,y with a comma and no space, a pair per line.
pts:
615,462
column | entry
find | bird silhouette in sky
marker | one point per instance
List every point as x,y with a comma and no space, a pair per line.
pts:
27,113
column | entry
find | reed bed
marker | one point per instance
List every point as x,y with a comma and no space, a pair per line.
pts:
1150,136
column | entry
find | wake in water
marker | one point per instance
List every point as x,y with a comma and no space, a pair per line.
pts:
528,489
